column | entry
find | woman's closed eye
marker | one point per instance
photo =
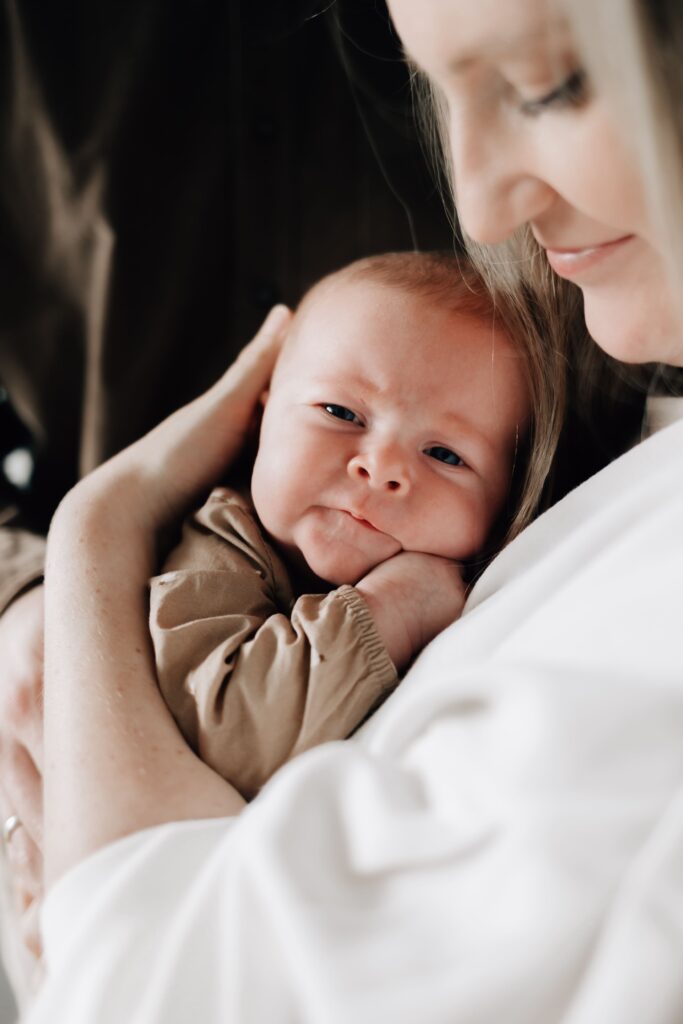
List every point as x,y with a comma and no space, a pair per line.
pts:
445,455
573,92
340,412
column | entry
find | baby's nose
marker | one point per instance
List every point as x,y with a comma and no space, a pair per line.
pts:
382,470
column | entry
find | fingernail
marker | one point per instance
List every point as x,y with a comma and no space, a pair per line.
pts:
277,318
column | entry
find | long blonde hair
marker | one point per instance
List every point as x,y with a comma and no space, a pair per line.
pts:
550,307
604,398
633,50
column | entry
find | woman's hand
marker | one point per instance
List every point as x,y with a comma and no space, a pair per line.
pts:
21,753
115,761
163,472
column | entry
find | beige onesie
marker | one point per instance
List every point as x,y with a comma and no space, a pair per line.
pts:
253,673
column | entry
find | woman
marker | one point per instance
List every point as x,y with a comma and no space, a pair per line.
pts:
504,841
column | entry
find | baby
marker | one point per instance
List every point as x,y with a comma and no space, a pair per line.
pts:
389,451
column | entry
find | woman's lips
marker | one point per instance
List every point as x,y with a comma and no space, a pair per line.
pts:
574,264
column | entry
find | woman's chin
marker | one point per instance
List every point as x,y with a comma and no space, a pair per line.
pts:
631,331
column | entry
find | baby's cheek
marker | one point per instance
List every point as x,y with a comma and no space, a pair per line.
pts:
458,529
268,499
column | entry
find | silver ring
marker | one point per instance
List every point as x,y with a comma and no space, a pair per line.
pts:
9,827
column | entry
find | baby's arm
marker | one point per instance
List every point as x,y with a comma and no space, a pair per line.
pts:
250,679
412,597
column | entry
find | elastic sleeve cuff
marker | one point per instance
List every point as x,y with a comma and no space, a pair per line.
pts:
381,665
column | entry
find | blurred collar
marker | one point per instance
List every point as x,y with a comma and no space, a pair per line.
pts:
661,411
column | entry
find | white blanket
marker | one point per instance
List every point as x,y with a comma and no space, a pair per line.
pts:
503,842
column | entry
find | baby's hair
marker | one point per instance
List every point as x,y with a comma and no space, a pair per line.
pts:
452,281
441,276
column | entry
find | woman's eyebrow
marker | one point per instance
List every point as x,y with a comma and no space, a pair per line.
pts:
522,44
503,44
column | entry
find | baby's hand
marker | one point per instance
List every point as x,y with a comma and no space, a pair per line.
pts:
412,597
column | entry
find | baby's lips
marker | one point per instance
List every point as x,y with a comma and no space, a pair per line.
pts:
361,519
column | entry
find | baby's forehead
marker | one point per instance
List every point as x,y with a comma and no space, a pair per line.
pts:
336,289
343,294
348,324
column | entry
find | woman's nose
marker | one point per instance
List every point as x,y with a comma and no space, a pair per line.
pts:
498,188
381,469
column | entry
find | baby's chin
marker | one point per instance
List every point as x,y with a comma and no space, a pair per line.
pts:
336,574
336,568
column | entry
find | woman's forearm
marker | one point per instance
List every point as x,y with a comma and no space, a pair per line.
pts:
114,759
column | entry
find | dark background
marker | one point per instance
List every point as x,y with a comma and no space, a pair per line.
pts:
244,150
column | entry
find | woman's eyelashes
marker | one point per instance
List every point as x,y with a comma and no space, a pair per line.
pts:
445,455
572,93
340,412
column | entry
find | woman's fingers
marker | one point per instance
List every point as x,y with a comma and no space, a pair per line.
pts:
23,867
21,689
253,367
21,800
21,870
156,479
26,868
202,438
29,928
21,756
21,734
21,792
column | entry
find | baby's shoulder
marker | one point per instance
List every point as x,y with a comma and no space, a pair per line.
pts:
230,515
228,512
231,499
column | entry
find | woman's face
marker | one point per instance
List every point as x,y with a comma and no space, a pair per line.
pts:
532,144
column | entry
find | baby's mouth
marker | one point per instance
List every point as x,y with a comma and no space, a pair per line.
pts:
362,520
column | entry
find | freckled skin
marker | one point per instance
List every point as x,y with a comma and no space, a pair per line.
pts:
340,497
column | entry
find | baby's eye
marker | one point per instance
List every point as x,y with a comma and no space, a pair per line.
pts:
340,412
444,455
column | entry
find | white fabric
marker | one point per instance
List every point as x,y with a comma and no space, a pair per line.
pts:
660,412
503,841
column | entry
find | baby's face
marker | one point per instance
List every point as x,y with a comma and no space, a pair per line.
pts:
391,425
